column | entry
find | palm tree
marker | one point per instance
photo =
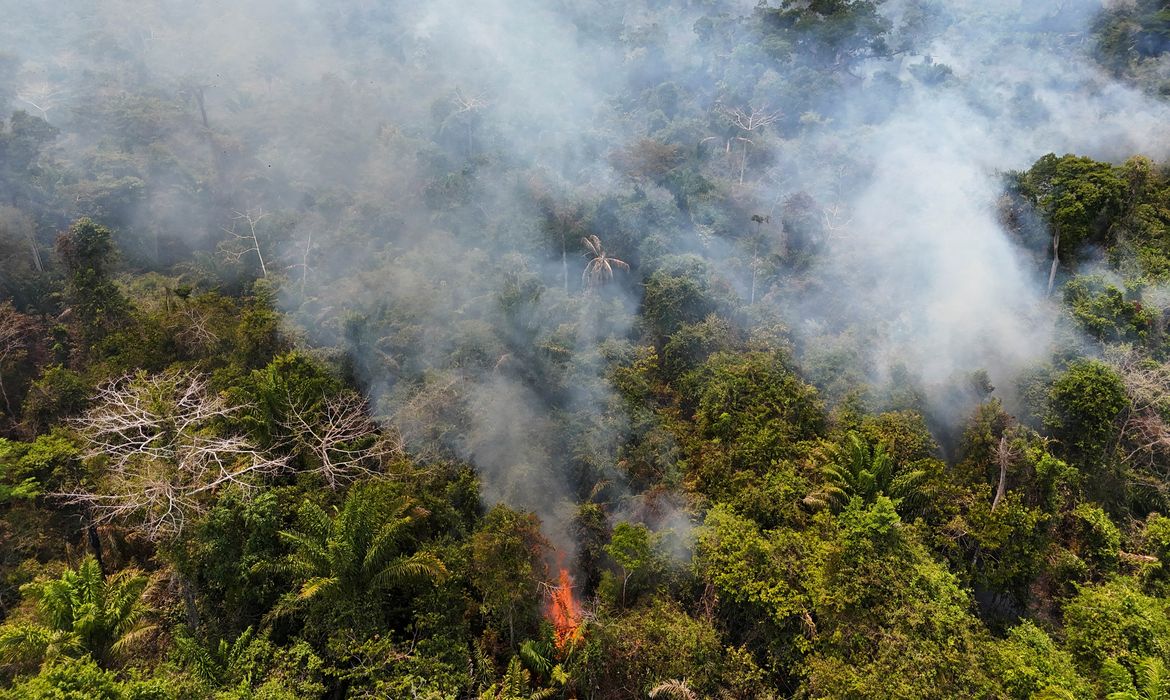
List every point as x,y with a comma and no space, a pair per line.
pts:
864,473
515,685
80,613
1153,682
346,561
599,270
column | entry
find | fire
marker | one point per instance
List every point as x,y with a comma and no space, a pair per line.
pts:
564,611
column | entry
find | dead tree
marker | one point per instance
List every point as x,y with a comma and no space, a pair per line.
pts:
162,452
344,442
469,106
599,269
748,122
251,219
1145,433
1006,454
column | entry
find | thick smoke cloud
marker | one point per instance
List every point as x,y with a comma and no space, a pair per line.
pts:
329,116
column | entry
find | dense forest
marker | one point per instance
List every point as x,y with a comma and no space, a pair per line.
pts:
522,349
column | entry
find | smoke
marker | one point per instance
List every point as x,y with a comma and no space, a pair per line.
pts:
430,168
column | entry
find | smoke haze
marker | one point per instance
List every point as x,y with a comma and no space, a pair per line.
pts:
327,117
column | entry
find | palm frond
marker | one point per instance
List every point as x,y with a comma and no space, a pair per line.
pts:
418,566
673,689
315,586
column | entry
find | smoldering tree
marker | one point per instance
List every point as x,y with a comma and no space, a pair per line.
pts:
163,450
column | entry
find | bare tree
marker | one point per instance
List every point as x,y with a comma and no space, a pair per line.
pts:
303,265
469,106
1055,258
343,440
22,225
748,122
1145,433
251,219
567,217
836,223
757,263
42,96
599,270
1006,454
163,452
198,332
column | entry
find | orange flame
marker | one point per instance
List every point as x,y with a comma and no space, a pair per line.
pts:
564,611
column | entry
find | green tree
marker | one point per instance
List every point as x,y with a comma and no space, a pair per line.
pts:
507,568
344,565
96,304
1078,196
632,549
80,613
1084,407
1150,680
515,685
866,472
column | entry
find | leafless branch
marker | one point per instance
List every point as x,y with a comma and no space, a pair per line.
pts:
162,449
343,439
1006,454
251,219
1145,433
197,332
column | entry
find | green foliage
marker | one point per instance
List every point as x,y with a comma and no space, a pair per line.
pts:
891,622
1115,620
632,654
82,679
1106,312
82,612
59,393
251,666
1078,196
1150,681
344,564
507,568
680,294
743,396
632,547
290,383
1031,665
515,685
1097,539
867,472
87,252
1084,403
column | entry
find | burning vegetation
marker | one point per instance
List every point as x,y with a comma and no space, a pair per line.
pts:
564,611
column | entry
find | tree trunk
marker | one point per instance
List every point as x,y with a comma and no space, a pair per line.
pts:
564,263
95,544
94,540
1003,455
743,162
189,607
7,403
1055,260
36,254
